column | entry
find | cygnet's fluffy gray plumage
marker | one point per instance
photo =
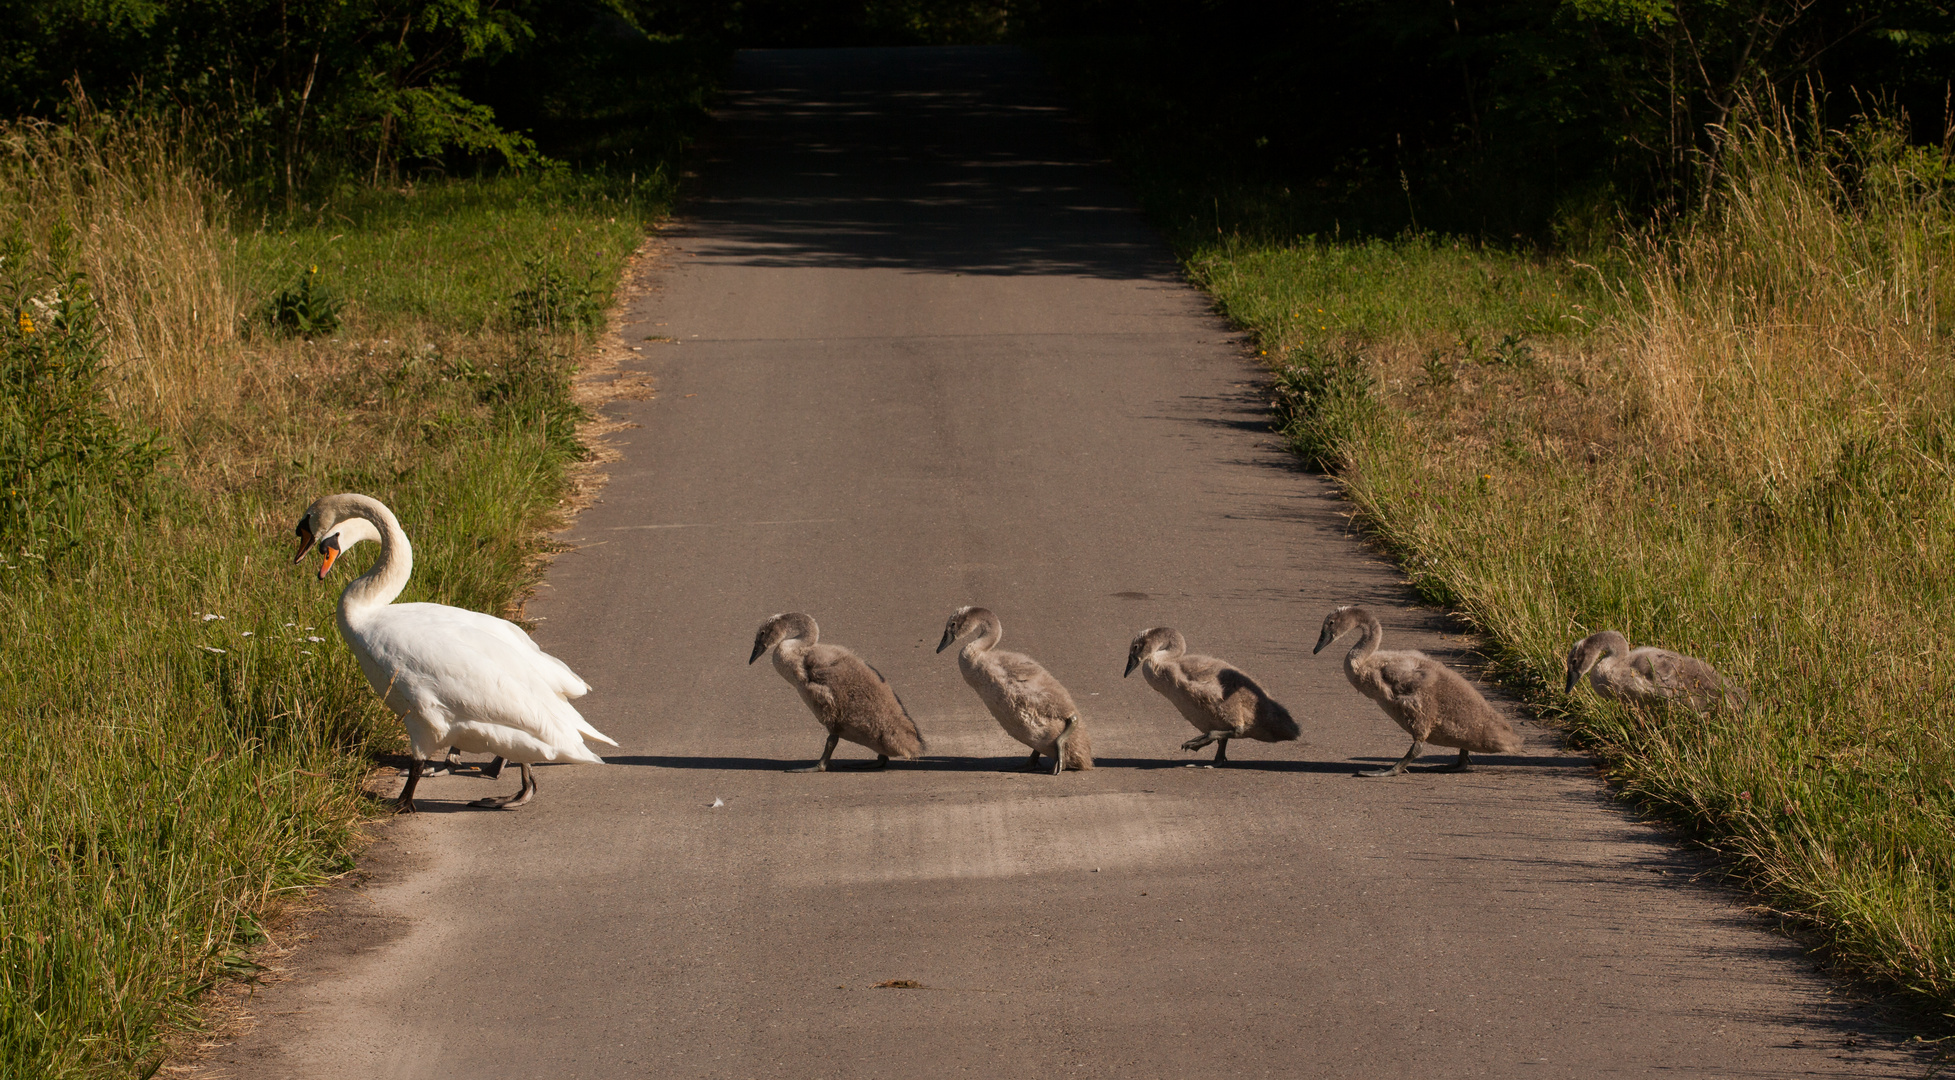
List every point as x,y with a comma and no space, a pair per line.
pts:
850,698
1428,699
1023,697
1215,696
1649,675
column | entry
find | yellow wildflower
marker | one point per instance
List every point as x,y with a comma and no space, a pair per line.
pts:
26,324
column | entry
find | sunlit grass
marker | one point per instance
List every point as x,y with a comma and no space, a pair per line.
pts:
1739,445
183,735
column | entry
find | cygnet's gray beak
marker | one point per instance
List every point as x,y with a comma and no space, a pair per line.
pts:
758,649
1133,661
1323,639
948,638
1574,676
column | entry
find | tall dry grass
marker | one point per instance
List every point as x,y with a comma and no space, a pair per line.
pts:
153,236
1747,456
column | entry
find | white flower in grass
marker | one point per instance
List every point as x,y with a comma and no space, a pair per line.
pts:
208,648
249,633
315,639
208,616
305,652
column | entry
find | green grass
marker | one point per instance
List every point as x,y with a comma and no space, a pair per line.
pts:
1735,439
167,776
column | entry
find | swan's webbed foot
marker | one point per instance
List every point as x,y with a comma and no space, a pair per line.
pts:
827,752
522,795
1464,763
405,804
1396,767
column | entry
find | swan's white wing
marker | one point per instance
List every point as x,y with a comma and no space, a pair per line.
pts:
562,680
460,665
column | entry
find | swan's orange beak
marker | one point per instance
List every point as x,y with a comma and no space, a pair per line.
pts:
331,548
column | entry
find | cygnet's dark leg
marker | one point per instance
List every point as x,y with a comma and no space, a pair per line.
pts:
1222,750
1463,764
1031,763
510,802
1397,766
826,753
405,804
1059,746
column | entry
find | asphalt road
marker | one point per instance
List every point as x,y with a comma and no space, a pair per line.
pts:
923,352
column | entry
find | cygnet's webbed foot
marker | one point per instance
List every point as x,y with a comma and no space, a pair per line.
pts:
1463,763
827,751
1396,767
1201,740
522,795
882,762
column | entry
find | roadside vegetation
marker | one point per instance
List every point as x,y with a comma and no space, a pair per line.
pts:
183,737
1724,425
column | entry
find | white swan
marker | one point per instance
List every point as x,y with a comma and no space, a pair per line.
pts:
454,677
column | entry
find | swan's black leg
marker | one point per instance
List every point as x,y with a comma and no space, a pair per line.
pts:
1463,764
493,769
405,804
510,802
826,753
1396,767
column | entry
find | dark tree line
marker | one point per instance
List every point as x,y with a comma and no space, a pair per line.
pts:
1484,115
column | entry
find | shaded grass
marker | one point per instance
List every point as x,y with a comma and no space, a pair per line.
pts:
183,735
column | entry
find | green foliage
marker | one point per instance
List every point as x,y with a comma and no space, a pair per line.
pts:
552,298
63,456
306,309
1324,405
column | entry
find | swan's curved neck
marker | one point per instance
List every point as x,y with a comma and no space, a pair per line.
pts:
1370,633
378,586
990,632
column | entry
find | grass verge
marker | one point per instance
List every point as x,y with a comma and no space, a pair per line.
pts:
182,735
1730,437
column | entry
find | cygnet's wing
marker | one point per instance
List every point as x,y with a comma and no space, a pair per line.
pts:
1679,676
1404,674
463,664
1024,679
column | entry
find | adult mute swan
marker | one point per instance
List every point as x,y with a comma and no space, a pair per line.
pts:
455,677
1023,697
1648,674
1215,696
1428,699
850,698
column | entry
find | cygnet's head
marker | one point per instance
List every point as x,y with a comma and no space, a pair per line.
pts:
1160,639
784,627
1338,623
963,621
1588,652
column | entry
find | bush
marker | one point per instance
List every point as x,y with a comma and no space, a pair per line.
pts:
61,453
307,309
